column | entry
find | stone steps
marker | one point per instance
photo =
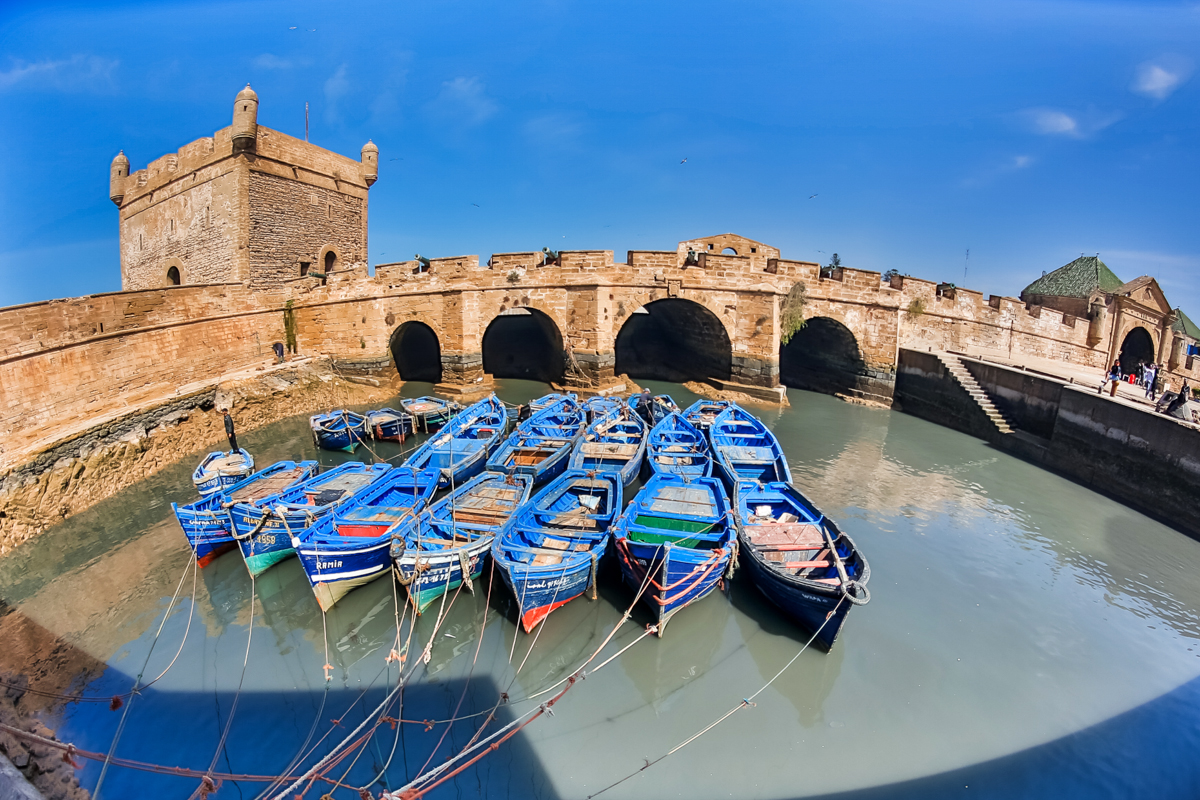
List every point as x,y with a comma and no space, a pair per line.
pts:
956,368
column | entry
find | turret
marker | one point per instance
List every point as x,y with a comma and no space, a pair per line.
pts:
370,162
117,174
245,120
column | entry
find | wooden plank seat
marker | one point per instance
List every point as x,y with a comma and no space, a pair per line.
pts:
552,551
265,486
481,516
608,449
799,535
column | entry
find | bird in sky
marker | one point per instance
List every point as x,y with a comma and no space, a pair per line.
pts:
475,204
684,161
395,159
811,196
292,28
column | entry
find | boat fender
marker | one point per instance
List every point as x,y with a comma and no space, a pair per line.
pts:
854,596
295,543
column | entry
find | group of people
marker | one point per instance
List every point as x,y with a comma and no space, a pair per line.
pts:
1153,380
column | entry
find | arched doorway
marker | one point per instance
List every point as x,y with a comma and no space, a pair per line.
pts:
823,356
330,262
523,343
1136,349
416,351
173,276
674,340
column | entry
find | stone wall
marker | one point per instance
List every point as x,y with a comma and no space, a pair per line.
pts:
1146,460
294,222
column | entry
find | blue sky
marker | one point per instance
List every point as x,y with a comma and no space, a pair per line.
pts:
1028,132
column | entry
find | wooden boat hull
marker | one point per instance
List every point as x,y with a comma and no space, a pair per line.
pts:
746,450
387,424
339,430
334,572
540,590
207,523
427,575
462,448
269,532
675,447
685,575
788,559
429,413
549,553
473,513
804,603
674,542
213,476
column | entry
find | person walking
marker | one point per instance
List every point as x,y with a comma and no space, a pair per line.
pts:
229,431
1148,380
1114,377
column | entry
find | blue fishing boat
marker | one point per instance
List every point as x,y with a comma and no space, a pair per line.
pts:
745,449
547,400
264,529
702,412
206,522
676,540
549,553
220,470
541,445
660,406
676,447
388,424
799,559
429,413
433,552
615,443
339,430
461,448
350,547
600,407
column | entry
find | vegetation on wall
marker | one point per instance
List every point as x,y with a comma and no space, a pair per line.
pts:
289,326
791,314
916,308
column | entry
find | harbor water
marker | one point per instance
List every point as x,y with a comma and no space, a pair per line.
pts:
1025,637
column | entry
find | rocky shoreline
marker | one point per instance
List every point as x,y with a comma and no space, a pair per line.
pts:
78,473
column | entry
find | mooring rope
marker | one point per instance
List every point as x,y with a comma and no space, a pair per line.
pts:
747,701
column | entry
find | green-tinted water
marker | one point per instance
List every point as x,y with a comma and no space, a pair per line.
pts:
1026,636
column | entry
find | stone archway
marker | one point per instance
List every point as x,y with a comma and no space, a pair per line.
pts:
523,343
674,340
1137,348
416,352
823,356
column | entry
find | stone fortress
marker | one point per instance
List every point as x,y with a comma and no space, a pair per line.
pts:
251,237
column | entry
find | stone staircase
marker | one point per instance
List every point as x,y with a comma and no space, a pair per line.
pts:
956,368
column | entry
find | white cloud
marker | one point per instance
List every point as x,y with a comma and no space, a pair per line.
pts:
1049,122
463,101
1074,125
1162,76
1021,162
270,61
78,73
554,129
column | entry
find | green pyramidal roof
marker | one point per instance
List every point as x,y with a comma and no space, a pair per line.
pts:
1078,279
1185,325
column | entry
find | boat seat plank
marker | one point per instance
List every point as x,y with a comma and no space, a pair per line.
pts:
786,535
611,449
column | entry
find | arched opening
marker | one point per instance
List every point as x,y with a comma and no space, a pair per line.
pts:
823,356
416,351
674,340
1136,349
729,251
173,276
523,343
330,262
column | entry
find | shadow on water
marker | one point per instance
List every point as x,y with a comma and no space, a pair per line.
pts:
1148,752
275,724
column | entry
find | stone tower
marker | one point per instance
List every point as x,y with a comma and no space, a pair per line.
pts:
246,205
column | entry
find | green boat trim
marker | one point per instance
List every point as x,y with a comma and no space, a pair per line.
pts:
261,562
